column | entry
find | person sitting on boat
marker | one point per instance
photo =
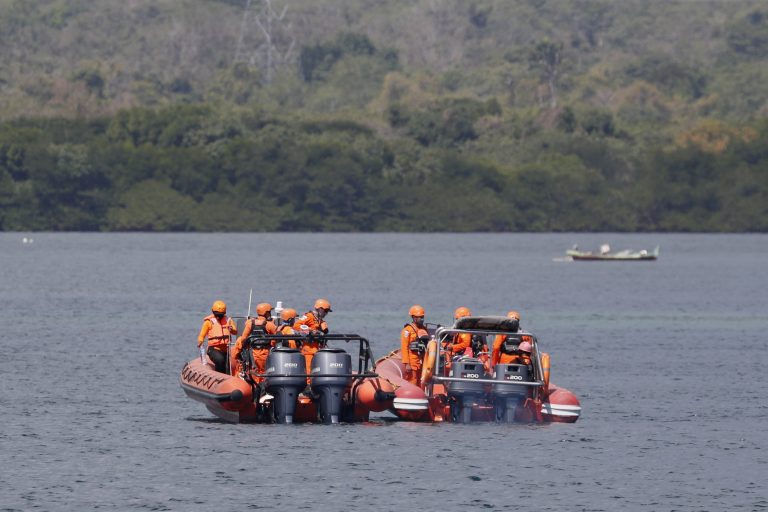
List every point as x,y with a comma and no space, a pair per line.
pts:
500,353
288,317
218,328
458,344
524,352
255,328
413,344
312,323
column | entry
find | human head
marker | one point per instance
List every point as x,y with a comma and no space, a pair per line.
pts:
514,314
322,307
417,314
264,309
525,347
219,309
288,316
461,313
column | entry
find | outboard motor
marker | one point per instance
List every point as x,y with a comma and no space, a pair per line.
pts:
465,394
506,397
285,379
331,368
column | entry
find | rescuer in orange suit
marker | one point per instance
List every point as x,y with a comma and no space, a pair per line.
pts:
413,340
217,327
460,342
312,323
524,352
260,325
498,355
288,317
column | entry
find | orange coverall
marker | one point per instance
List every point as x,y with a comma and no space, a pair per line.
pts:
499,357
409,334
306,323
259,354
461,342
287,330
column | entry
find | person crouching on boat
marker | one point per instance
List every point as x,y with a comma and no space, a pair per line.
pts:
254,329
313,324
413,344
458,344
218,328
288,317
500,352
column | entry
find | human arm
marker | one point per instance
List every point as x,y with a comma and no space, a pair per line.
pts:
203,333
462,343
238,347
246,331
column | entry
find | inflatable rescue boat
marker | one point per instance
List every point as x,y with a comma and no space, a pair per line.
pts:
466,389
336,393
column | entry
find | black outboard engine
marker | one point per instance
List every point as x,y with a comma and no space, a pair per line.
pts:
285,379
465,394
506,397
331,368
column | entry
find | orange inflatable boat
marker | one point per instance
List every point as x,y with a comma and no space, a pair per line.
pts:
466,389
336,391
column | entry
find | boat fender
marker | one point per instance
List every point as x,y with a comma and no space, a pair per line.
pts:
545,366
428,367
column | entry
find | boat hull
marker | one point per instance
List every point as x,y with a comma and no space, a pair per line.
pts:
432,403
595,257
228,397
231,398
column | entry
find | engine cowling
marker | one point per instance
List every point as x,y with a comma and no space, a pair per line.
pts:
285,379
331,369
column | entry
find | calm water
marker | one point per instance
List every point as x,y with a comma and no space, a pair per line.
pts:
668,359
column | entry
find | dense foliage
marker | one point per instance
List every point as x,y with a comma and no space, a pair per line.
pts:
476,115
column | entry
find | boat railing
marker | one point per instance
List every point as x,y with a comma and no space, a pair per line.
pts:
443,334
364,358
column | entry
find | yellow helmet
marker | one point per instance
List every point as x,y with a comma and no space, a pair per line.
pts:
461,312
323,303
416,310
219,307
288,314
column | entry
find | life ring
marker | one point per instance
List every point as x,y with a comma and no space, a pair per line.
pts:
428,366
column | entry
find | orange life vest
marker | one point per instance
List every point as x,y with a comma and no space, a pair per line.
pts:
218,335
415,346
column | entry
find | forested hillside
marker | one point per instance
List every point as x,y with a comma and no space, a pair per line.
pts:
319,115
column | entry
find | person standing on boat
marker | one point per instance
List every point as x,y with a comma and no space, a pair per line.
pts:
256,327
460,342
288,317
218,328
500,354
413,341
313,323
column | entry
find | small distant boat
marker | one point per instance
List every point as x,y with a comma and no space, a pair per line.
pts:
605,254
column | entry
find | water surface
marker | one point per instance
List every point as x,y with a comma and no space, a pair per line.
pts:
668,359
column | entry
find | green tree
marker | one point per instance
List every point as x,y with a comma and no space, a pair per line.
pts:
547,56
